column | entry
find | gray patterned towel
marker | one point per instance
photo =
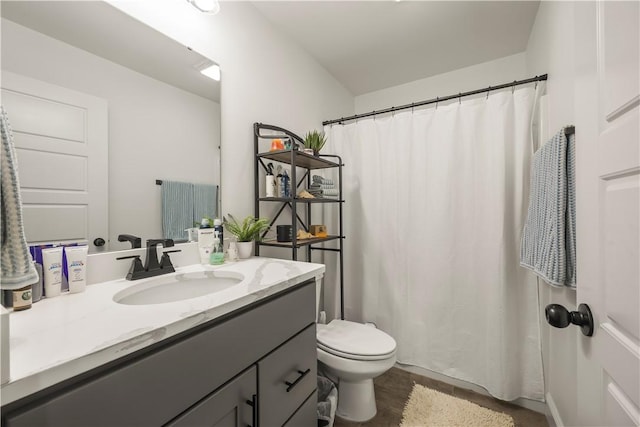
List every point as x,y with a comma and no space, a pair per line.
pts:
548,245
317,179
16,267
185,204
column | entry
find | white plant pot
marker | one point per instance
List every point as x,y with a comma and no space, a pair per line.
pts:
245,249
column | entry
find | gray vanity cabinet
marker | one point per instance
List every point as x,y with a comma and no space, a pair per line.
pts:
233,405
205,376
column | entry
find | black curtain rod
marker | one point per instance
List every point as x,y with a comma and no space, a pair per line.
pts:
438,99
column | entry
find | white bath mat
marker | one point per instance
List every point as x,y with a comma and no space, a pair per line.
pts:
426,407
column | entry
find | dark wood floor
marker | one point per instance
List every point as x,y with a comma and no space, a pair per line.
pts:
393,389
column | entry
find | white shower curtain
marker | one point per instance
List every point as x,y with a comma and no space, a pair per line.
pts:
435,204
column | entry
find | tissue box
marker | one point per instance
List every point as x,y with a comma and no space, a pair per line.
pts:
318,230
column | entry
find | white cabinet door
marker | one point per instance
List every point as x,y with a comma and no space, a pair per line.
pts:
61,139
608,209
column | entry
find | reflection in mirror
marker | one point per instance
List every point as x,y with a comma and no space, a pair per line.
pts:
101,107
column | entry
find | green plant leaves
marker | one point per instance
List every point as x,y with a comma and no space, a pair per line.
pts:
251,228
314,140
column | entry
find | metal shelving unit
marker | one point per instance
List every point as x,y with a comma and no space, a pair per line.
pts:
297,159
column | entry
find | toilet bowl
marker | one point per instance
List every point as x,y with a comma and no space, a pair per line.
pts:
354,354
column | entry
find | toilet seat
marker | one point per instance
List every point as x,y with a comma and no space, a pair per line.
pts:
355,341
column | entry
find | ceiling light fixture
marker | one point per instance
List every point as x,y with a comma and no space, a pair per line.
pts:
213,72
206,6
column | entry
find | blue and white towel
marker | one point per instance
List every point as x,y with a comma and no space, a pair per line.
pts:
205,201
16,266
548,245
177,209
185,204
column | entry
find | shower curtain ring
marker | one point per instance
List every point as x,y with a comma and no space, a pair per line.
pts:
488,92
513,87
412,105
536,86
459,98
437,100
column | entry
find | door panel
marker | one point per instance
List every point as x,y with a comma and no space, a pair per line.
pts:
63,171
63,223
620,61
620,412
34,115
620,242
620,360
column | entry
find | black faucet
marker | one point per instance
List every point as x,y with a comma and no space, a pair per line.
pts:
135,241
151,265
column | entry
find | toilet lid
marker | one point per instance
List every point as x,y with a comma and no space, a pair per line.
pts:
355,340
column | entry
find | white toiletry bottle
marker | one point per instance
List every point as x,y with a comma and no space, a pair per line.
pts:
206,234
219,231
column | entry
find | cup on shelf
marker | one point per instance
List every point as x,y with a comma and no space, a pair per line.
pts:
277,144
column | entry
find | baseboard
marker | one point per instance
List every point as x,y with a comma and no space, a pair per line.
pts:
553,417
540,407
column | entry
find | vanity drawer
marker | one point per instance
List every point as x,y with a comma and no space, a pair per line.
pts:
287,377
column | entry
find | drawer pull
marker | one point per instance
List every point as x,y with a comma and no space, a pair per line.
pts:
254,410
293,384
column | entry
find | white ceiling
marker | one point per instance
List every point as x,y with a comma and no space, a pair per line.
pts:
105,31
372,45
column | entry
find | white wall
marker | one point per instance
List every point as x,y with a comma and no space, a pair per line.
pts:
266,78
502,70
156,131
550,50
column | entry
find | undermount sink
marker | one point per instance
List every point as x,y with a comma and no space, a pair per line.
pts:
177,287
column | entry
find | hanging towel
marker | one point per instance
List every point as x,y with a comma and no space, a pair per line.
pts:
16,266
548,245
177,209
204,201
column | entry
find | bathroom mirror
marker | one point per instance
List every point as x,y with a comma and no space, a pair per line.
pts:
157,115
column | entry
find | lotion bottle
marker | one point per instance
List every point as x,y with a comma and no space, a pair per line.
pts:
206,234
217,254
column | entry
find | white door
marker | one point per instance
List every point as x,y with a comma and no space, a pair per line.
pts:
607,95
61,139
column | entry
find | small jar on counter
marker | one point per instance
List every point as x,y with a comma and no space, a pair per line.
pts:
18,299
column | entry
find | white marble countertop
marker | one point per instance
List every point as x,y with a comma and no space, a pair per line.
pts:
64,336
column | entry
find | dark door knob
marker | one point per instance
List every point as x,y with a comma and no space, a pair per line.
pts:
99,241
560,317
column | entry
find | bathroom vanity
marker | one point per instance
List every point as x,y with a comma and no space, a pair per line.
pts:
243,356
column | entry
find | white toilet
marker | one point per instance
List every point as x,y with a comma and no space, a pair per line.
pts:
354,354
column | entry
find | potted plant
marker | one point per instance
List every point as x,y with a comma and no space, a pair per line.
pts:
314,140
246,232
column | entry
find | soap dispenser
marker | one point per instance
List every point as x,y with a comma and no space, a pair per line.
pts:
217,254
